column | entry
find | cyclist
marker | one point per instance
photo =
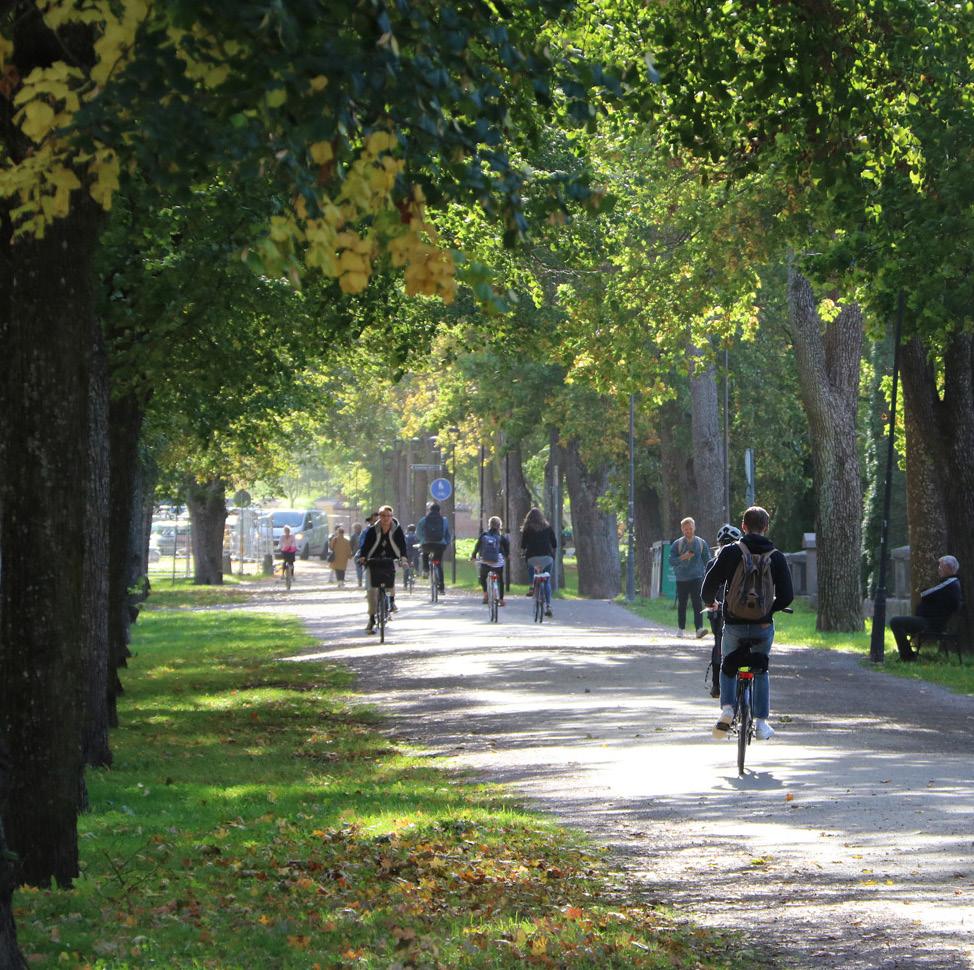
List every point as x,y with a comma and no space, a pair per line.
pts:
383,544
412,549
434,535
761,631
288,548
726,534
538,545
493,549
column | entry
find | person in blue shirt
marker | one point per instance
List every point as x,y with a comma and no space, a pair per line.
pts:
433,532
689,556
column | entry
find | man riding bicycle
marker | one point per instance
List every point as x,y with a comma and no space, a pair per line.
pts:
754,549
383,544
434,536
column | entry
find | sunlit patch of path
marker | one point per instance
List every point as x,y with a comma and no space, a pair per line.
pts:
849,842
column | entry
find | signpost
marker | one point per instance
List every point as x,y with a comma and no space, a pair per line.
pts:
441,489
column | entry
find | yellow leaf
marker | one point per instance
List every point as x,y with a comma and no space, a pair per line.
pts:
276,97
37,119
353,282
321,152
318,82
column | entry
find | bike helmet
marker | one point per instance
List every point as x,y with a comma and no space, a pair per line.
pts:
727,534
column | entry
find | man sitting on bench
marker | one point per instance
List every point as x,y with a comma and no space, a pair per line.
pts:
937,605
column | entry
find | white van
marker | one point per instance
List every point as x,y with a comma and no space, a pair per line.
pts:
308,526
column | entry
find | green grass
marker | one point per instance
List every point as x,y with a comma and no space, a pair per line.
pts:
799,628
255,818
166,594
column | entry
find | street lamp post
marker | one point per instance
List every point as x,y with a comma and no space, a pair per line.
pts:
631,512
453,461
877,647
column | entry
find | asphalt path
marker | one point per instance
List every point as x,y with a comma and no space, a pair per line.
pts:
848,843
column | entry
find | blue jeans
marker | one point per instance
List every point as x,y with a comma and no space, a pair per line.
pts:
763,633
545,562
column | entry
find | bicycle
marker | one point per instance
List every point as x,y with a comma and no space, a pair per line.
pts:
493,593
540,603
436,578
382,611
287,572
409,578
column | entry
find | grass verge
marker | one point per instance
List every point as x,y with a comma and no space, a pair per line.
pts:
799,628
253,818
185,593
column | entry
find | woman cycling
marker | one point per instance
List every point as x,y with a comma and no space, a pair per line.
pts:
538,545
288,548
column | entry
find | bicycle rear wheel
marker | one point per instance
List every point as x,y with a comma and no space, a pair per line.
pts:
492,597
744,726
288,575
538,602
434,583
382,608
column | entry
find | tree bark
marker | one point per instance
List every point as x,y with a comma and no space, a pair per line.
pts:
48,333
677,495
940,460
596,534
208,514
128,544
97,750
519,504
649,529
707,449
10,955
828,358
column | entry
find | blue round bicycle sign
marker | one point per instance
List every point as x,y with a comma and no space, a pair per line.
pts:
441,489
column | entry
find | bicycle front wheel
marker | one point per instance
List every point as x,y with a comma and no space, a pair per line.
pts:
743,727
538,603
288,575
492,596
383,607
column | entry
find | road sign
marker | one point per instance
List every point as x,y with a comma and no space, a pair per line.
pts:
425,468
441,489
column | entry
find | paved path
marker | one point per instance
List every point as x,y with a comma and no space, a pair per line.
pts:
852,833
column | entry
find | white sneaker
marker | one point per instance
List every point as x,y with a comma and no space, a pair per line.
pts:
681,633
762,730
701,632
721,729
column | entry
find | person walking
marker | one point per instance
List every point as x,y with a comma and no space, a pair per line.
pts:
356,540
341,552
768,563
689,556
538,545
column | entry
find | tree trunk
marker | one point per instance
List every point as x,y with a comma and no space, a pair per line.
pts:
649,529
940,460
596,535
208,515
128,542
828,358
48,334
10,956
707,451
519,504
97,567
677,497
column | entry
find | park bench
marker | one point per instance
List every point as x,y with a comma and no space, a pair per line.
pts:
952,635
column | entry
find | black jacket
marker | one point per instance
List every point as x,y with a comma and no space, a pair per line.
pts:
940,602
721,570
539,542
390,546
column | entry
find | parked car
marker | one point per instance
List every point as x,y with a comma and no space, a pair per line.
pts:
309,527
172,536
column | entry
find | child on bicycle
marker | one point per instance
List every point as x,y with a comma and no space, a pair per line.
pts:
726,534
288,548
493,550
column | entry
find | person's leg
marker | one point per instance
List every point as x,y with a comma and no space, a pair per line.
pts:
682,594
483,580
762,682
439,569
697,605
426,558
728,644
340,576
545,562
499,570
902,627
371,594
